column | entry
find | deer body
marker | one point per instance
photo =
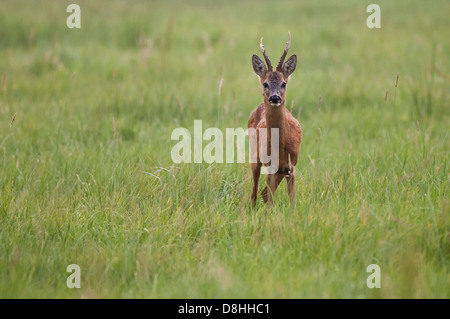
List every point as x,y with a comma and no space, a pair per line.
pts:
272,113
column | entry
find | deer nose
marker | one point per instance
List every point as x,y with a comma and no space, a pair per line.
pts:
275,99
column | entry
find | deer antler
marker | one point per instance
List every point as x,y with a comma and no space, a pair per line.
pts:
280,64
269,65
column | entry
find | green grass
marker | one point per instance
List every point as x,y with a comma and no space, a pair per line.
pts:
373,175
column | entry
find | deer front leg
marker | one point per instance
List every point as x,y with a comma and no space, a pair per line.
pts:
291,185
256,171
273,180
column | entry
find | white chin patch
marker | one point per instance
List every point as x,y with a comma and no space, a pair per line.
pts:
275,104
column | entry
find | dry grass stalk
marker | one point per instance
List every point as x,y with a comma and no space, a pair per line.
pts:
396,84
115,132
114,126
13,119
220,87
180,105
289,162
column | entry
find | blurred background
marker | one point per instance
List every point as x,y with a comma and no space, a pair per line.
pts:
86,117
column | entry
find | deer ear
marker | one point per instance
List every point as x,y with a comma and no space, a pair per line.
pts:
289,66
258,66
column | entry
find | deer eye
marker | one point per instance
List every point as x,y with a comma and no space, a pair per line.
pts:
283,85
265,85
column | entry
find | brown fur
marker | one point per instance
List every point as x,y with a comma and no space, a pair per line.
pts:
290,133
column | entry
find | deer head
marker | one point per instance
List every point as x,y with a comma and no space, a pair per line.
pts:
274,82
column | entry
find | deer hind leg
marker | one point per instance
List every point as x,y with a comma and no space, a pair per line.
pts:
256,171
273,180
291,185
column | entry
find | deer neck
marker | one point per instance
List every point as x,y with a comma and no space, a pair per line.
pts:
276,118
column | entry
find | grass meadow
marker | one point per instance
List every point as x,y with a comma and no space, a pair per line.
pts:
87,178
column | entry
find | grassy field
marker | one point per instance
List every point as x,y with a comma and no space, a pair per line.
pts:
373,175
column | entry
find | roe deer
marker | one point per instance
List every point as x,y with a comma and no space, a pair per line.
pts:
272,113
